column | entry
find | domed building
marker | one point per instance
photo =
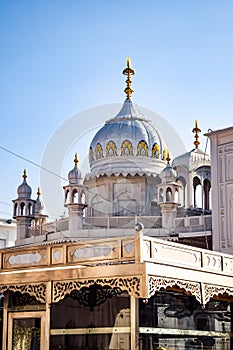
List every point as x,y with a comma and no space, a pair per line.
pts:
130,266
126,157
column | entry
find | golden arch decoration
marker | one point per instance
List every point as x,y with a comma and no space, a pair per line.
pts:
142,149
91,155
126,148
98,151
156,151
111,149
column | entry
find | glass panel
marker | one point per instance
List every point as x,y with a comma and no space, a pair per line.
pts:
26,333
176,310
91,342
153,342
69,313
104,327
174,320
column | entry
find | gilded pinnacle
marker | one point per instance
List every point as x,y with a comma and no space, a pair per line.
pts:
168,157
24,174
76,158
196,130
38,192
128,71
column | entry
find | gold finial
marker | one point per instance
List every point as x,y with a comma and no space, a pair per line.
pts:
76,158
128,71
196,130
38,192
168,157
24,174
164,154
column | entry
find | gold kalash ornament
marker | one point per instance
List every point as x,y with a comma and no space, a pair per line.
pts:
196,130
128,71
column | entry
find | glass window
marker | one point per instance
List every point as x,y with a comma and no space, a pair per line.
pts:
106,326
175,320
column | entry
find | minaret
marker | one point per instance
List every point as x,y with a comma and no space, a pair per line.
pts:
168,196
75,198
40,215
24,209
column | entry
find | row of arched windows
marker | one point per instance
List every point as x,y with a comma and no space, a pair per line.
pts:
23,209
74,196
126,150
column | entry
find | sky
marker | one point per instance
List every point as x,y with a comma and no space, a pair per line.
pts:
60,59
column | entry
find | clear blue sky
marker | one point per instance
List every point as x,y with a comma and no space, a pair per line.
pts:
62,57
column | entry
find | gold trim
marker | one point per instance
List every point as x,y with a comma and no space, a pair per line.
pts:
126,145
98,330
111,146
128,71
98,151
155,149
142,145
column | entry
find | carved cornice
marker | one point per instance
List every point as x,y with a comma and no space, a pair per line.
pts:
157,283
36,290
131,285
211,291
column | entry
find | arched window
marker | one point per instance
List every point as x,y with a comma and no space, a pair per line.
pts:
176,196
197,192
30,209
207,186
126,148
66,196
111,149
15,209
156,151
22,208
161,195
142,149
75,196
91,155
98,151
182,191
168,195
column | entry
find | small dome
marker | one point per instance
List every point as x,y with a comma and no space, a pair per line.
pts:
168,174
75,176
24,190
39,205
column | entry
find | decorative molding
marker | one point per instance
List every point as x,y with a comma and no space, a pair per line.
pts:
130,284
22,259
36,290
157,283
213,290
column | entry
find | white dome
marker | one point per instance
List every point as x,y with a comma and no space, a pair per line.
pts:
39,205
75,176
168,174
127,140
24,190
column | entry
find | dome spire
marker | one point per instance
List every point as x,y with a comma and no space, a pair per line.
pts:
24,175
38,192
196,130
168,158
76,158
128,71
